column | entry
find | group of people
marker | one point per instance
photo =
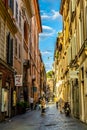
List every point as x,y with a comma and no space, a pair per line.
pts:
41,104
63,107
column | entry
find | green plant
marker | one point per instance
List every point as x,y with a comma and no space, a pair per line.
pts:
21,107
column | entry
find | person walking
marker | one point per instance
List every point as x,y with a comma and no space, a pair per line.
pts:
31,103
43,105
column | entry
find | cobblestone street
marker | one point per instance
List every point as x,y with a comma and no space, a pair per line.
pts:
52,120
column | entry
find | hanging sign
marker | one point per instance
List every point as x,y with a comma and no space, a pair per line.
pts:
18,80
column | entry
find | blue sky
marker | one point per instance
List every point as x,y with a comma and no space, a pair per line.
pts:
51,24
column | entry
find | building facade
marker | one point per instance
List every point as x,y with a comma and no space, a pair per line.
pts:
74,31
20,25
7,36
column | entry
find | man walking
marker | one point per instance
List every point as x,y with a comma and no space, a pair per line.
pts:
31,102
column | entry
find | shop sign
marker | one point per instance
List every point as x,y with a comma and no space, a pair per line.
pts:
18,80
73,74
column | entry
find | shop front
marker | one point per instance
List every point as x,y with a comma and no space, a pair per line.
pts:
6,91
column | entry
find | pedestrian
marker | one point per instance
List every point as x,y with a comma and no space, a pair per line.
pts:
57,104
43,105
31,102
39,103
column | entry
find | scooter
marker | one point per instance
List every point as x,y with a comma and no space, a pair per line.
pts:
67,109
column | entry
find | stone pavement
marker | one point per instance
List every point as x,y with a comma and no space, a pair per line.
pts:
52,120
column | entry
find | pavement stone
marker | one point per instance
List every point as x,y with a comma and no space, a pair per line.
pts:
52,120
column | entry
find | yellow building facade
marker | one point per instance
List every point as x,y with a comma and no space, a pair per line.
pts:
74,14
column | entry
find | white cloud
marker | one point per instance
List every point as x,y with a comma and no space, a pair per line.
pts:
47,31
47,27
45,52
53,15
48,66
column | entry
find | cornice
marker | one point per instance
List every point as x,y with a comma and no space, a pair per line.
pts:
28,4
62,6
6,65
5,15
37,14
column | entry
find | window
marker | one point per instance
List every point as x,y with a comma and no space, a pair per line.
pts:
20,19
15,47
86,22
73,5
16,11
19,51
11,4
81,28
0,27
9,50
26,32
5,3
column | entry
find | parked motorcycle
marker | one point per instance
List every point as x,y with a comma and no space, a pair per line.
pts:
67,109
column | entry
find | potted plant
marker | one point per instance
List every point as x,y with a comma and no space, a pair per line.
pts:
21,107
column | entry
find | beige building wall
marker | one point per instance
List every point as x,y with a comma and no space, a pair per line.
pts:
75,71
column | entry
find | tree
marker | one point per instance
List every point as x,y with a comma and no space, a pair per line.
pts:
49,74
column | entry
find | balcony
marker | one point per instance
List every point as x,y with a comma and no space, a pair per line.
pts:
83,48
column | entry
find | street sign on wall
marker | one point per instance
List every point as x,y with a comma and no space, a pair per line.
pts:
18,80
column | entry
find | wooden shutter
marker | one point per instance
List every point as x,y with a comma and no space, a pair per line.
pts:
7,49
11,58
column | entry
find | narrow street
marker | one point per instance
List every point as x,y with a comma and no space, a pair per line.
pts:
52,120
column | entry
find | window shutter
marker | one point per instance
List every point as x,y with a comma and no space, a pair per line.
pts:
11,58
85,23
73,5
16,11
7,49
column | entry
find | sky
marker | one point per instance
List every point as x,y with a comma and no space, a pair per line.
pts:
51,21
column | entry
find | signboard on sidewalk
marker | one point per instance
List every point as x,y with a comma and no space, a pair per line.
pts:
18,80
